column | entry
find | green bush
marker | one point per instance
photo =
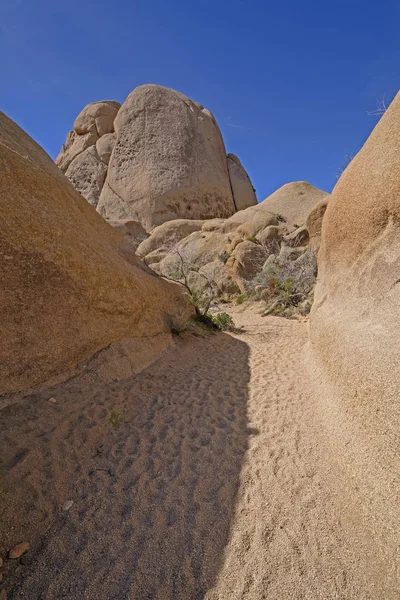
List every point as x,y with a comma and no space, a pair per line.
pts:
221,321
252,238
240,299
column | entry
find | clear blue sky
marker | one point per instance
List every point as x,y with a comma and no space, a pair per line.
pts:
289,81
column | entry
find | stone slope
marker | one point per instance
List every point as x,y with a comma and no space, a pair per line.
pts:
70,284
354,327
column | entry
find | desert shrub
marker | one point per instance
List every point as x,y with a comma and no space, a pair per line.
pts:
241,298
252,238
223,257
116,420
288,285
221,321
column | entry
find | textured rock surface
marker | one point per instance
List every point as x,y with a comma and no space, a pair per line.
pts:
314,223
86,153
169,160
294,201
132,231
87,174
165,160
355,325
70,284
242,189
97,115
168,234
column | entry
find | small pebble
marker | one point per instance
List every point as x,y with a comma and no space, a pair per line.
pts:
67,505
53,400
18,550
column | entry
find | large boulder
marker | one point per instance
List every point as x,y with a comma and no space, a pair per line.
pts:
86,153
70,286
293,202
242,189
167,235
355,327
87,174
168,162
314,223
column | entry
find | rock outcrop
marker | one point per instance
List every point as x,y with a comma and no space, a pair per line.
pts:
158,157
294,201
70,284
85,155
355,325
242,190
234,251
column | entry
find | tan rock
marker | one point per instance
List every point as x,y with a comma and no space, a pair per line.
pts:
269,236
197,250
75,144
293,202
169,161
246,261
18,550
314,223
87,174
298,237
168,234
355,327
242,189
213,224
97,115
250,220
105,146
70,285
132,231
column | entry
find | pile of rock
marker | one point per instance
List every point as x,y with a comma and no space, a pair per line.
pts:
158,157
233,252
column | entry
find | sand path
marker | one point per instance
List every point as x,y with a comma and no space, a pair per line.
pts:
211,480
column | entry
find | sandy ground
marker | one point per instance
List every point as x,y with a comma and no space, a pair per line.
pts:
207,476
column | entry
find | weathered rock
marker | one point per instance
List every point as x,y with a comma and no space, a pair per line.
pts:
68,504
19,550
196,250
132,231
246,261
213,225
250,221
298,237
269,237
168,234
99,116
168,162
355,327
87,174
242,189
70,284
74,145
314,223
105,146
293,202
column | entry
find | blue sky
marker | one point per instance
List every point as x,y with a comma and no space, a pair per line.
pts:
289,81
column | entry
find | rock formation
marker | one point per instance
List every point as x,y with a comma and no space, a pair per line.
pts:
233,251
166,160
70,284
355,326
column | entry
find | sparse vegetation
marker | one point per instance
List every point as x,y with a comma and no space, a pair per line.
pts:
223,257
221,321
116,420
252,238
287,286
241,298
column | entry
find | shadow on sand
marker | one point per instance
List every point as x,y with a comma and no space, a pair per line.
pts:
152,465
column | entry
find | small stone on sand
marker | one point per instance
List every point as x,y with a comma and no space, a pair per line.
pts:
19,550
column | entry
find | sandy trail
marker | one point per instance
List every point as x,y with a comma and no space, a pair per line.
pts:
213,482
